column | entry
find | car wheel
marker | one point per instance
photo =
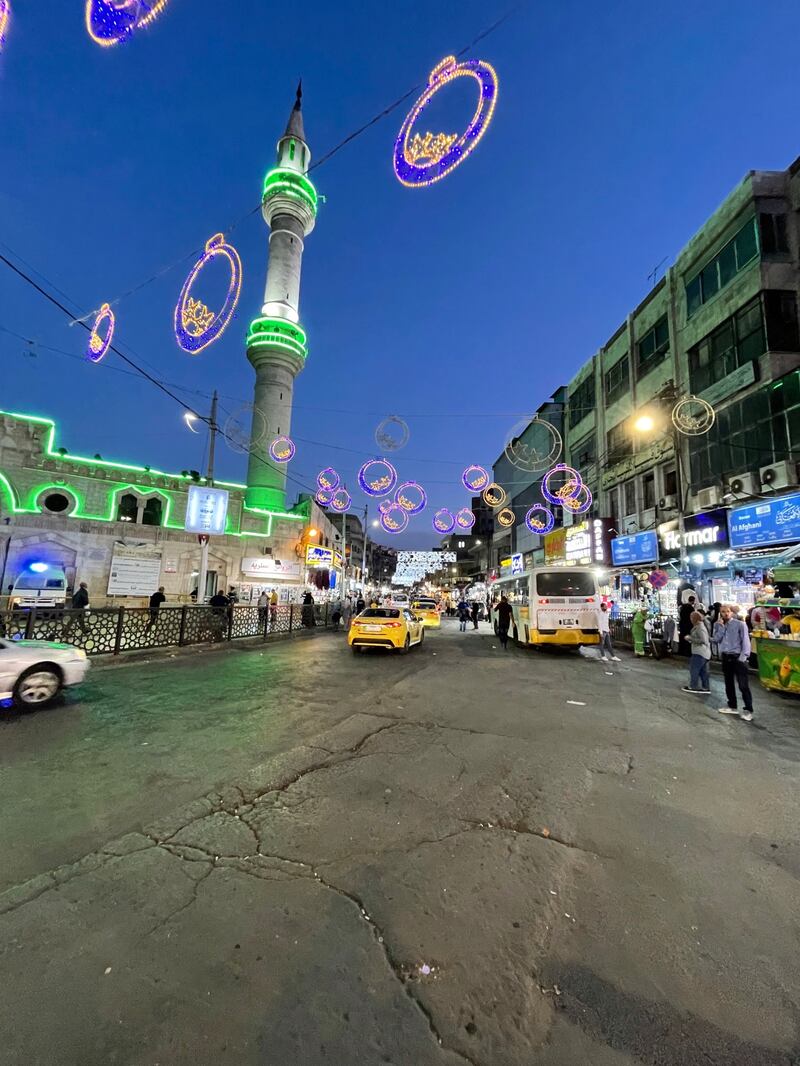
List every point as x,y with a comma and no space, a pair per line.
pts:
406,646
37,686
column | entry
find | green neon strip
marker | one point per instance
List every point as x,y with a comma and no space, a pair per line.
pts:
277,333
283,182
65,490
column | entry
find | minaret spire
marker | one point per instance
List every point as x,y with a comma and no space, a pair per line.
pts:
294,127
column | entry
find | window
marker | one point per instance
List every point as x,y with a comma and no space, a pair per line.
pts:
652,348
726,264
581,401
757,431
128,508
649,490
566,583
151,515
629,497
56,502
619,443
617,383
670,483
584,453
739,340
772,231
780,312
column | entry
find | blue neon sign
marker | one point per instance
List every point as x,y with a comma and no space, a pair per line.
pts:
765,522
636,548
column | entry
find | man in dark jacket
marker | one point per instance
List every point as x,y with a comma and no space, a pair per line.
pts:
155,602
80,601
685,624
504,616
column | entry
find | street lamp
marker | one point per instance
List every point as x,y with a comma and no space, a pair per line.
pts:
644,424
313,532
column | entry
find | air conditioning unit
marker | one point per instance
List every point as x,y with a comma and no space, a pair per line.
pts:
779,475
266,551
744,484
668,503
710,497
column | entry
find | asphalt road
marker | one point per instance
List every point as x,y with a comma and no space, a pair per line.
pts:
458,856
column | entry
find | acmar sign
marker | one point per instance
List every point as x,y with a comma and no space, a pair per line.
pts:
206,510
704,530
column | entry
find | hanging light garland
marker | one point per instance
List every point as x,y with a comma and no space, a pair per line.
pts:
282,450
195,326
404,497
328,479
465,519
384,505
505,518
475,479
340,501
392,434
98,343
537,524
110,22
323,497
394,519
494,495
572,484
5,19
574,504
444,521
377,477
429,157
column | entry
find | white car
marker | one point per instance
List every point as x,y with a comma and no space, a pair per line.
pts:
33,672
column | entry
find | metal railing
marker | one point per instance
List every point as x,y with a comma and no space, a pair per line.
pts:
114,630
622,633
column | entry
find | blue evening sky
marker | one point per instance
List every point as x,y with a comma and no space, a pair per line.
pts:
619,128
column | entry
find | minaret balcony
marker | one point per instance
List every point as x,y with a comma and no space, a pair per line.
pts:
276,333
286,191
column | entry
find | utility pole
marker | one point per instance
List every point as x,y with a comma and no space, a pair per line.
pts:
213,429
343,591
364,552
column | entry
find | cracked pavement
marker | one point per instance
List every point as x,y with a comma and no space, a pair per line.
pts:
328,859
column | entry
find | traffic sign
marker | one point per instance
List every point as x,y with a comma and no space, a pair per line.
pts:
658,579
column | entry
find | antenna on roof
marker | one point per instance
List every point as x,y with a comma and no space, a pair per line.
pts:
652,277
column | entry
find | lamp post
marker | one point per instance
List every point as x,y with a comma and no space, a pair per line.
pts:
646,423
213,429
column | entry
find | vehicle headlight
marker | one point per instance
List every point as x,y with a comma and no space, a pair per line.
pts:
80,653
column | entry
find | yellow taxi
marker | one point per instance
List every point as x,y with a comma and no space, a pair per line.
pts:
427,612
385,627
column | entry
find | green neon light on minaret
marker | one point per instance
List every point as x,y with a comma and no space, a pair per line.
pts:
284,182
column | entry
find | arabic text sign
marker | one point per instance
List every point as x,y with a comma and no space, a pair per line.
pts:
637,548
134,571
206,510
765,522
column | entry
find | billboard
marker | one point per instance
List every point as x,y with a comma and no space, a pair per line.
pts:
636,548
206,510
765,522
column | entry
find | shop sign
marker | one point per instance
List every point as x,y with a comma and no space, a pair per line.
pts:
206,510
266,566
704,530
766,522
316,555
134,571
516,563
584,544
635,548
555,547
505,567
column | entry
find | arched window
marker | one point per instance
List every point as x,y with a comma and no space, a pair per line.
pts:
151,515
128,508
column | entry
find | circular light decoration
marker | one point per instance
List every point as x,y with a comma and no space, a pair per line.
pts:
109,22
384,505
444,521
505,518
245,428
392,434
324,497
98,343
571,487
377,477
340,501
404,497
195,326
394,519
494,495
540,519
5,18
575,504
475,479
692,416
465,519
429,157
282,450
328,479
533,444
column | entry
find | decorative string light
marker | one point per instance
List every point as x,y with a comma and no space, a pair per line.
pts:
109,22
377,477
394,519
414,566
465,519
430,157
567,491
341,500
98,344
392,434
384,505
494,495
328,479
537,524
533,444
444,521
5,19
574,504
404,497
475,479
195,326
323,497
505,518
282,450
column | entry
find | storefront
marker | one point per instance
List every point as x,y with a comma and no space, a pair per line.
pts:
263,573
584,544
762,536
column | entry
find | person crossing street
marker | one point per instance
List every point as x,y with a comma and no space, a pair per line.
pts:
734,649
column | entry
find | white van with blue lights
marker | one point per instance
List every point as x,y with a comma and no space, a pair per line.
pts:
39,585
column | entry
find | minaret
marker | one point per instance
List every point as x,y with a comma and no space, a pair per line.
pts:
276,342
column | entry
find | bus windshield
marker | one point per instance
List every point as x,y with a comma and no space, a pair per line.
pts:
565,583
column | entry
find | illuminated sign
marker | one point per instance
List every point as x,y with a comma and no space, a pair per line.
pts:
766,522
206,510
316,555
636,548
584,544
706,529
516,564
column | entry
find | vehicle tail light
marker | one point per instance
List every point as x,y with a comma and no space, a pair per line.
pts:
543,599
590,599
392,625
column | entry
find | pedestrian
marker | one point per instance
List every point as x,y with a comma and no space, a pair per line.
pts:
80,603
476,607
273,608
462,610
155,603
220,606
604,629
700,643
263,606
336,612
734,649
307,613
360,604
504,615
347,613
685,612
638,630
